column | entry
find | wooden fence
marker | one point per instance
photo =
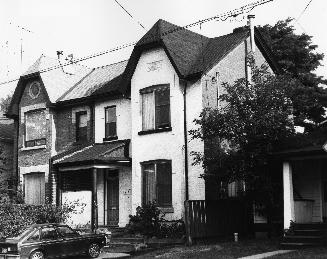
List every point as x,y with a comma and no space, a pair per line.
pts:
219,218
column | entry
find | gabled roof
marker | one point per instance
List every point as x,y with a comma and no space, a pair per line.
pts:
99,81
57,79
190,53
106,153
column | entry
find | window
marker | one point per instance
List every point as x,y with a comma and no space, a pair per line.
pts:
35,128
34,190
49,233
34,237
81,126
111,122
155,107
157,180
65,231
236,188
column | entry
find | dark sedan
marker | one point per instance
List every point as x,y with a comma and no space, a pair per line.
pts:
50,241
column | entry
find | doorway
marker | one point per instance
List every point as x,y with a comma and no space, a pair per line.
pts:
112,179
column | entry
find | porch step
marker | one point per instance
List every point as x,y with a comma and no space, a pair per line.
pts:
305,235
308,232
310,226
296,245
303,239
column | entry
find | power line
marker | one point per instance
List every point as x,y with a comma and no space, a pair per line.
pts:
130,14
306,7
220,17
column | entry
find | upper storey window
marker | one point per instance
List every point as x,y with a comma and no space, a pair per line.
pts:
111,122
35,128
81,126
155,107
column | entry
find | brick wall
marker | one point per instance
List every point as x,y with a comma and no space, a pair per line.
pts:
65,124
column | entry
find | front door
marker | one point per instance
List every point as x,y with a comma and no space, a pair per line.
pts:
112,198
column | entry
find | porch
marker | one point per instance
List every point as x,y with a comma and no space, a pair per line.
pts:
97,177
305,187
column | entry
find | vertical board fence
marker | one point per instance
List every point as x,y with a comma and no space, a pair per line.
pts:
217,218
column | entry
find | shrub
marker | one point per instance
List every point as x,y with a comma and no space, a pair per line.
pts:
150,222
16,217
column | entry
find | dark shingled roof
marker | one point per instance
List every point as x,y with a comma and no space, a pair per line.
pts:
304,144
191,53
111,152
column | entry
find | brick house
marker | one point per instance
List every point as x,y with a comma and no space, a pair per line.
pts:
116,137
6,153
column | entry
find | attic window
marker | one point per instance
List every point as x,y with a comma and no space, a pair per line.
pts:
34,89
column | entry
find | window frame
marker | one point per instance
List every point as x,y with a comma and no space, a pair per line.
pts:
108,138
157,128
77,128
33,142
155,163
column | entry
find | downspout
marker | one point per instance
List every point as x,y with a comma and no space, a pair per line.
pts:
185,144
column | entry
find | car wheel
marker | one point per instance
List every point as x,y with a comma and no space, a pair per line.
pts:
94,250
37,255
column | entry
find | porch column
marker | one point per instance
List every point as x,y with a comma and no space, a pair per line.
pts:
288,194
94,217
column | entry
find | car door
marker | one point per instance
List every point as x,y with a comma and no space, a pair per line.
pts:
50,242
72,243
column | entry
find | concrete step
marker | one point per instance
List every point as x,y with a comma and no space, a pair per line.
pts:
309,226
303,239
297,245
308,232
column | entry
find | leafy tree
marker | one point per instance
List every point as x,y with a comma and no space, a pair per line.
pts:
5,102
240,135
297,57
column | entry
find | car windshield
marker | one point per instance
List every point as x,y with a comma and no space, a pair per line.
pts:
22,234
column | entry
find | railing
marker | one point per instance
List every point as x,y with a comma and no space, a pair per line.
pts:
219,218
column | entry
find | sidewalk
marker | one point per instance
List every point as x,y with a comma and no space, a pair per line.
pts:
105,255
265,255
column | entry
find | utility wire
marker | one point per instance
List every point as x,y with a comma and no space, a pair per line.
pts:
130,14
306,7
247,8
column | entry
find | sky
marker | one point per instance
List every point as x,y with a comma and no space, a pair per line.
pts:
85,27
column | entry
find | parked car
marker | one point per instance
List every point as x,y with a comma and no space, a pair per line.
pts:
41,241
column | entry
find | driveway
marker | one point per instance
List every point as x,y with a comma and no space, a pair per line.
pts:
103,255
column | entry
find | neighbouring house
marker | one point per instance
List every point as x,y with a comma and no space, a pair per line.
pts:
7,162
302,163
116,137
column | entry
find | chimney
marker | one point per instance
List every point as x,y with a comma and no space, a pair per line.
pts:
251,25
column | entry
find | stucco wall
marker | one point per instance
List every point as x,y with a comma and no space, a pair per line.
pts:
163,145
124,122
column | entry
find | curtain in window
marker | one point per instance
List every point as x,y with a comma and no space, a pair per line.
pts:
81,130
35,125
148,107
149,183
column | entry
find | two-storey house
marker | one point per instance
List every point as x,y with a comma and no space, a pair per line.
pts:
117,136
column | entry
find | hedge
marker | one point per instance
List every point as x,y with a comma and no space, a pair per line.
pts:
16,217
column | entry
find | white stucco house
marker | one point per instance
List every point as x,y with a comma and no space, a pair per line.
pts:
117,136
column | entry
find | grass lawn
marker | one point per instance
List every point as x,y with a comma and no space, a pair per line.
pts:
215,250
315,252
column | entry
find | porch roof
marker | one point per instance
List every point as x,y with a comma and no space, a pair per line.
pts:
114,152
308,145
